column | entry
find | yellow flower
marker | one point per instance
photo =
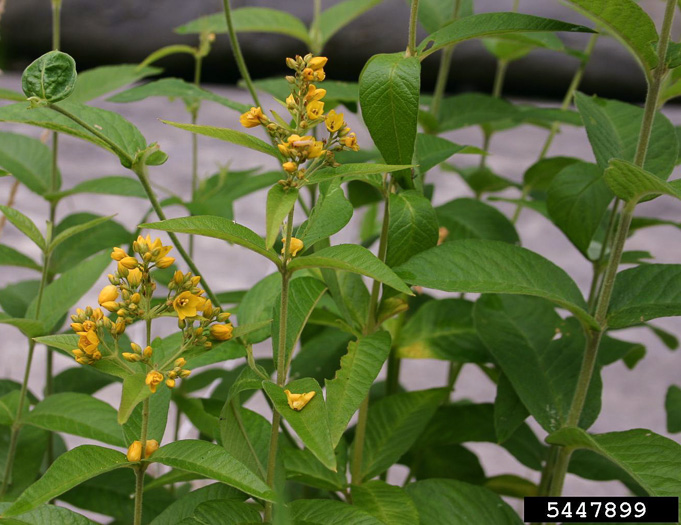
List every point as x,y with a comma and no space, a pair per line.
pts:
317,63
298,401
88,342
291,102
128,262
151,446
315,110
109,293
315,150
289,167
207,308
319,75
296,246
77,327
186,304
350,142
135,277
221,332
148,351
112,306
283,149
165,262
180,362
117,254
133,358
314,94
308,74
170,383
252,118
154,378
134,452
334,121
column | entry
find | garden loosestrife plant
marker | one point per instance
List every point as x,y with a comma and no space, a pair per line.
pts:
338,442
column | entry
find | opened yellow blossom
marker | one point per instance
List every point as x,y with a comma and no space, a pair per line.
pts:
187,304
315,150
315,110
154,378
313,94
334,121
252,118
221,332
296,246
350,141
298,401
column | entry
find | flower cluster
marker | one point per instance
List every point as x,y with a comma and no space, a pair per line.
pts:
87,323
306,106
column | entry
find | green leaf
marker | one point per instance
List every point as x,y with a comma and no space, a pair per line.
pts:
329,512
389,88
351,258
250,19
492,24
212,461
341,14
628,23
442,329
218,228
359,368
303,467
60,295
431,150
280,202
228,135
158,417
304,294
480,266
10,94
449,502
68,470
219,510
28,160
445,462
77,414
394,424
613,128
29,327
24,225
135,390
256,306
672,405
120,131
245,434
652,460
543,370
75,230
47,515
471,109
175,88
632,184
472,219
80,379
413,227
51,77
15,297
435,14
11,257
643,293
114,185
578,202
94,83
184,506
311,423
390,504
354,171
329,216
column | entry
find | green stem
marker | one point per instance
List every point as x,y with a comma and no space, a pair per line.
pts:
238,56
443,71
198,60
413,18
56,24
281,360
605,294
497,90
360,429
142,467
315,31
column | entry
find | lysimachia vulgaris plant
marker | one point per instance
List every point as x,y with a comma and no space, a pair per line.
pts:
292,399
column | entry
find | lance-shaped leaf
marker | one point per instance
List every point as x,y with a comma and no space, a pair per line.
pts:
645,292
75,230
394,424
218,228
413,226
341,14
351,258
311,422
77,414
472,219
212,461
628,23
94,83
185,505
431,150
329,512
63,293
388,503
450,502
175,88
11,257
280,202
68,470
24,225
47,515
492,24
330,215
28,160
359,368
633,184
135,390
389,89
113,185
304,294
228,135
652,460
480,266
158,417
223,510
355,171
613,128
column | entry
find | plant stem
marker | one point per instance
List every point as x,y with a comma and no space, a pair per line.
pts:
360,430
198,60
281,359
10,202
56,24
499,77
603,301
238,56
413,18
315,31
443,71
142,467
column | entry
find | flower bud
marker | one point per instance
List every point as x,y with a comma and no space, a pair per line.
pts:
77,327
136,348
221,332
148,351
112,306
136,298
170,383
117,254
180,362
150,448
224,316
129,262
134,452
133,358
165,262
289,166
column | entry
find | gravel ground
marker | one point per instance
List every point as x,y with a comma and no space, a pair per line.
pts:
631,399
